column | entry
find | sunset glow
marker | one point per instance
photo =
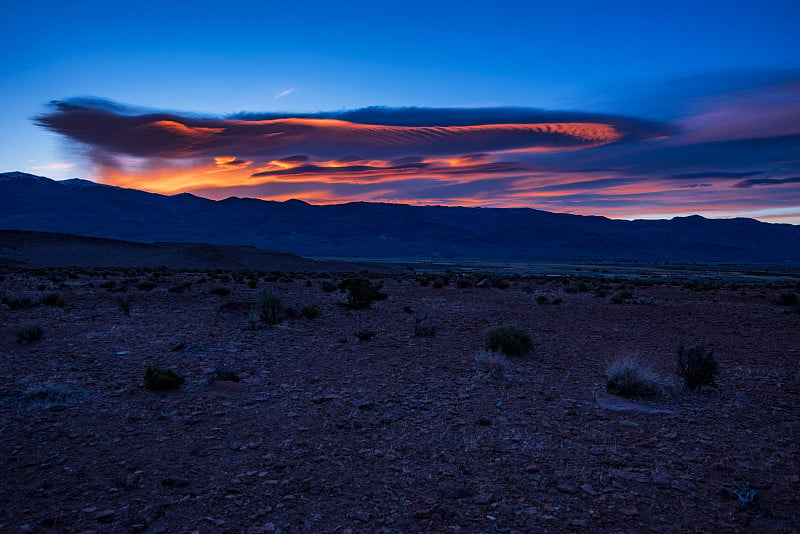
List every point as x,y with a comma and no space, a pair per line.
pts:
629,110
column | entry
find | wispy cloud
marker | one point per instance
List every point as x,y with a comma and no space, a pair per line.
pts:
285,92
53,166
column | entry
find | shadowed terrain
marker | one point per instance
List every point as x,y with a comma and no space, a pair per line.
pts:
63,250
361,420
372,230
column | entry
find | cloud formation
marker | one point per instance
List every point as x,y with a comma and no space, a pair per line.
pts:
715,159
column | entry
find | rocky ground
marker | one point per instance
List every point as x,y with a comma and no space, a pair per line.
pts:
401,433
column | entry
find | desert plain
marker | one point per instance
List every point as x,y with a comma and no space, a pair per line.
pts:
303,427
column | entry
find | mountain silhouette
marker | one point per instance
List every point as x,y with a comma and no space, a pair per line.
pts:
379,230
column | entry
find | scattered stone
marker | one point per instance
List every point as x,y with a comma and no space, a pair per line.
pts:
175,482
565,486
106,516
365,404
452,490
617,404
229,385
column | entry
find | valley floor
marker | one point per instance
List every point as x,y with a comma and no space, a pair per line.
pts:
398,434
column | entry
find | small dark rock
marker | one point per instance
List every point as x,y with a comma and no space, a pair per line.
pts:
106,516
175,482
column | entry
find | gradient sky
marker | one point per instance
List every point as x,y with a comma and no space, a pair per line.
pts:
621,108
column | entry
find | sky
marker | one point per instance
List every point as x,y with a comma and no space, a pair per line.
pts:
624,109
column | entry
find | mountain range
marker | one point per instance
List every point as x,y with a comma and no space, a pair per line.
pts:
379,230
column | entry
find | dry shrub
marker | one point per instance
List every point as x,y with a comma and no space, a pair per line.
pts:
508,339
697,366
631,378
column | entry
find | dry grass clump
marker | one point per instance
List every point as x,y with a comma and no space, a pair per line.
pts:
492,364
52,395
631,378
269,308
508,339
29,333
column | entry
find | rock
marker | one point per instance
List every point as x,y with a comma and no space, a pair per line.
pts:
452,490
617,404
106,516
587,488
229,386
565,486
133,479
175,482
483,498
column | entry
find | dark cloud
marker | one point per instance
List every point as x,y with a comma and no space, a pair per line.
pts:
714,174
301,158
767,181
633,128
351,170
371,132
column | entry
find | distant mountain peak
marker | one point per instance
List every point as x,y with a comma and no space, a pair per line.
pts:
19,175
79,182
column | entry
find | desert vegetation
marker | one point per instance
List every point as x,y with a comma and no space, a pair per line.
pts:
508,339
186,411
631,378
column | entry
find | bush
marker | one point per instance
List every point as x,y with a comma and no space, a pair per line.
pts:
268,308
361,293
29,333
328,287
424,327
311,311
19,303
125,302
160,379
365,335
180,288
54,299
621,296
147,285
787,299
697,366
508,339
630,378
499,283
221,291
492,364
224,373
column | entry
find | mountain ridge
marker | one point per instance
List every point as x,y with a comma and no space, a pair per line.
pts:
381,230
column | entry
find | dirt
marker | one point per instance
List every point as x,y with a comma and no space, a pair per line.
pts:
326,433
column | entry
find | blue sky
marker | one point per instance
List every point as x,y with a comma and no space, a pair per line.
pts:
652,61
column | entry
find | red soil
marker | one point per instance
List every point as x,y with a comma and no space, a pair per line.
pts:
326,433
